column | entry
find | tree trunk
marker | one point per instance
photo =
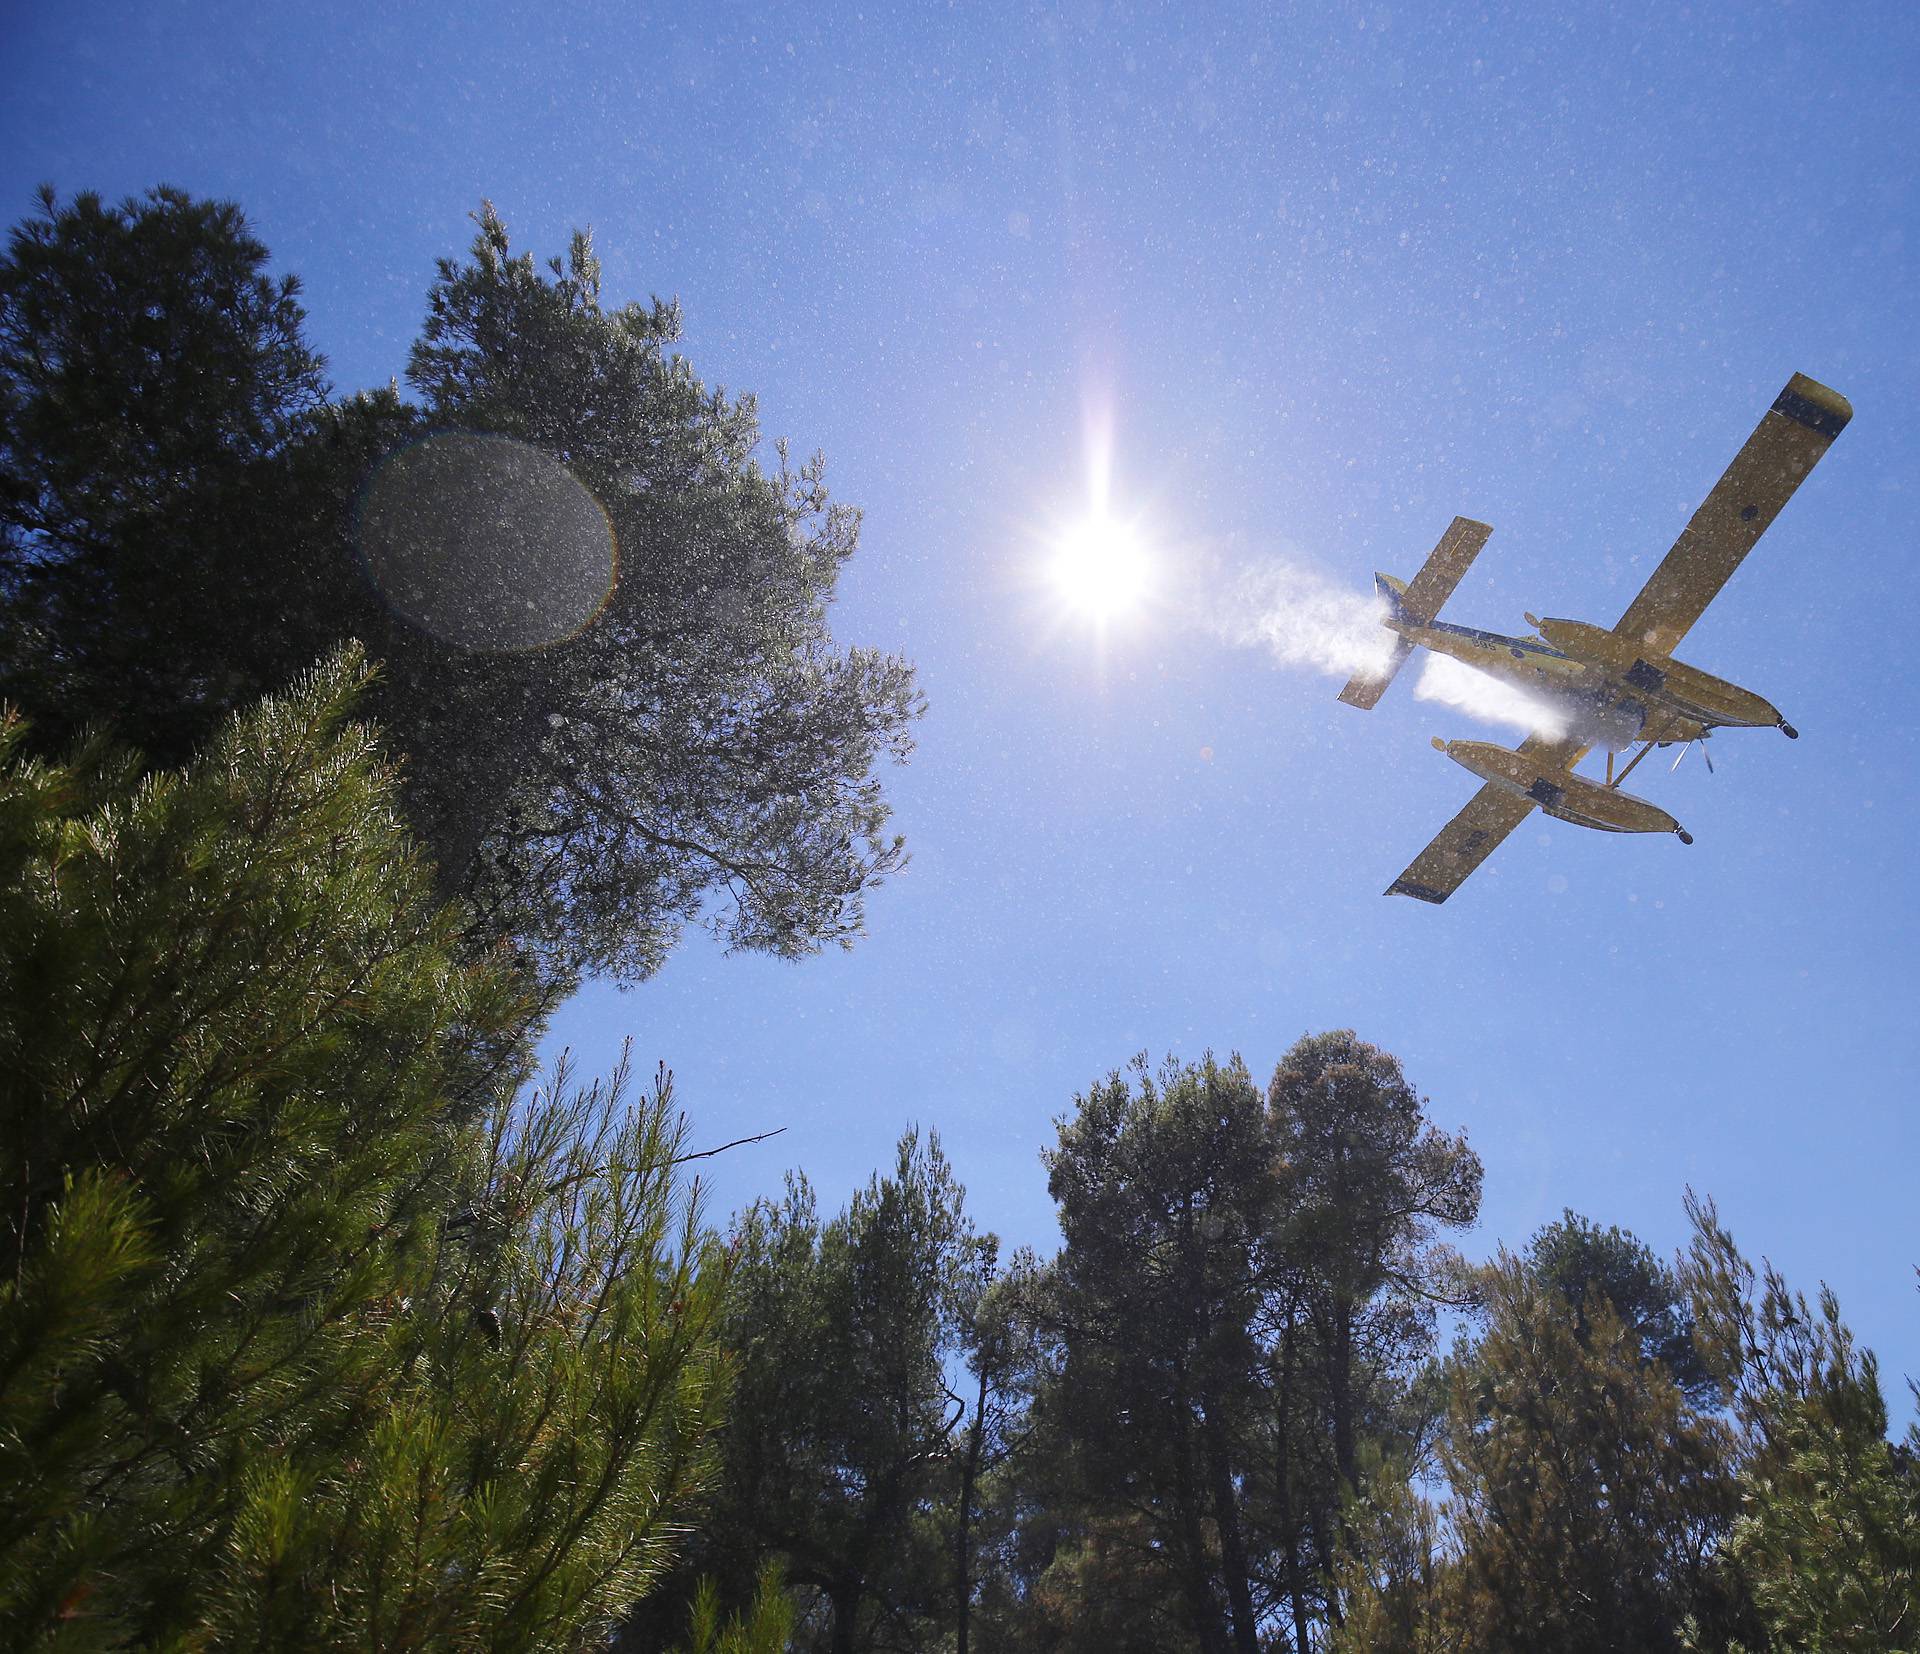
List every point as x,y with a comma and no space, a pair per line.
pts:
1302,1637
1344,1453
1340,1391
1233,1547
963,1543
1283,1490
1196,1573
846,1610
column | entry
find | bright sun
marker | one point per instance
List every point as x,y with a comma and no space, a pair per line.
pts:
1100,566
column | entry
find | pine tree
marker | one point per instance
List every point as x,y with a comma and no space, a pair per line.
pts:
1370,1186
316,1328
1588,1492
836,1461
1233,1334
150,371
1583,1260
1827,1544
1646,1458
763,1627
1401,1587
1169,1199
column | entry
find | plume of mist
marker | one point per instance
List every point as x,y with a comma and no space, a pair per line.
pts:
1454,683
1303,619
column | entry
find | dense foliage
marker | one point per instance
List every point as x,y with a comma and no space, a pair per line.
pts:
151,372
1282,1247
185,525
1215,1419
838,1459
316,1327
1613,1488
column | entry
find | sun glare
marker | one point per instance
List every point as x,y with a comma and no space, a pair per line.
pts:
1100,566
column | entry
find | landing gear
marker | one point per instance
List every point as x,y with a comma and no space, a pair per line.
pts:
1684,836
1789,731
1647,744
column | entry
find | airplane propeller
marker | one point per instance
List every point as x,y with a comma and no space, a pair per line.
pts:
1702,740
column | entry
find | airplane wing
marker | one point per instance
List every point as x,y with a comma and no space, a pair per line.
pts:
1467,840
1785,446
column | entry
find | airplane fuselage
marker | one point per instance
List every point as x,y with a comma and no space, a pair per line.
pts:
1601,703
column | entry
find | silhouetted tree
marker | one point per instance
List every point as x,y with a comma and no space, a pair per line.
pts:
1592,1492
1369,1186
149,371
184,526
1168,1199
1582,1259
1239,1318
839,1461
1588,1492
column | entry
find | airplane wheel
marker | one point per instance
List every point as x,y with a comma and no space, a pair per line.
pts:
1685,836
1790,732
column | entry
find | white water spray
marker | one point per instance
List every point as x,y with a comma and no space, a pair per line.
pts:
1454,683
1302,618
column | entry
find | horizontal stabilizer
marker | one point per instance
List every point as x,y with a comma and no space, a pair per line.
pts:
1417,604
1441,572
1365,689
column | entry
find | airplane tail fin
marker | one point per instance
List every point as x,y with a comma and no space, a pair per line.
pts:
1417,604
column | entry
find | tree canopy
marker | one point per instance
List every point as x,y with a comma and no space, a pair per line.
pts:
1231,1336
838,1461
149,368
187,523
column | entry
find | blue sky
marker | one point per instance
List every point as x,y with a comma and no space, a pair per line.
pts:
1332,276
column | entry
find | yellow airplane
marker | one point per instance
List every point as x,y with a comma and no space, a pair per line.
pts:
1610,688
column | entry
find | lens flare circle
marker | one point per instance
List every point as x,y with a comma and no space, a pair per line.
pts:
486,542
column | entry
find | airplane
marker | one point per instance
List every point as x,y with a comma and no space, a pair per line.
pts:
1610,687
